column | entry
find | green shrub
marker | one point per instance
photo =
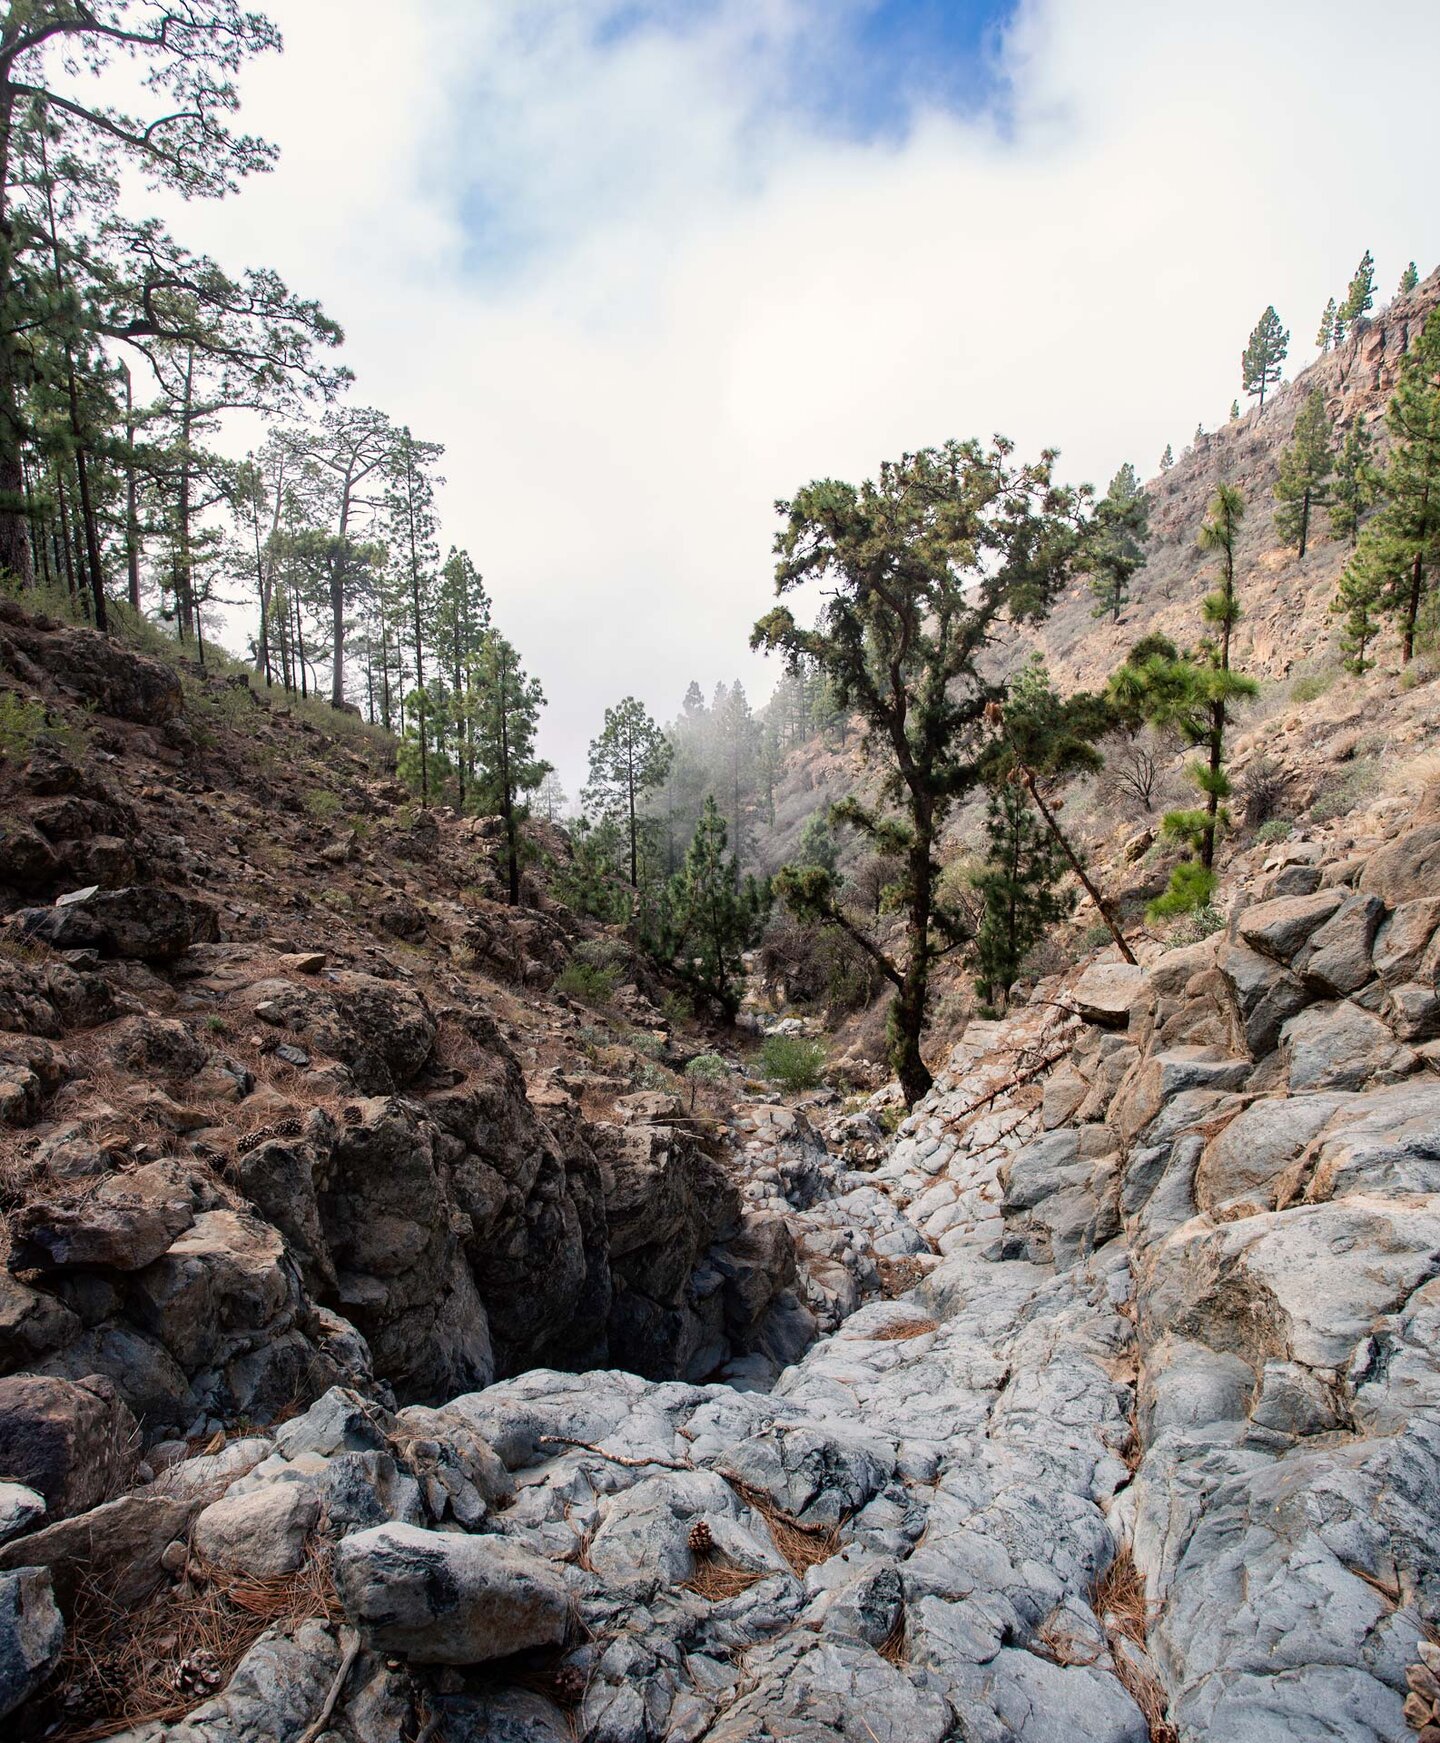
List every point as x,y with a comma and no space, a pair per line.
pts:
1312,685
707,1068
1275,829
1197,925
792,1062
649,1075
1341,797
588,983
1191,887
677,1009
24,723
322,804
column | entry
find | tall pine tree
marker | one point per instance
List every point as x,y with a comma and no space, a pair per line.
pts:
1261,360
1305,465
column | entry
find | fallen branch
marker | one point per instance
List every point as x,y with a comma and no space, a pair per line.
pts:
322,1719
614,1458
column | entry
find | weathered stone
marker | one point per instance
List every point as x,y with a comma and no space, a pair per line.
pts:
99,669
128,1222
27,861
75,1444
439,1598
1263,994
20,1510
32,1632
1337,957
145,921
262,1532
1413,1010
1401,943
1339,1046
1407,870
1106,991
1278,929
225,1276
118,1546
32,1324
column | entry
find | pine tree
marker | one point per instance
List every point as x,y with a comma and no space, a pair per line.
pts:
1266,352
919,568
1042,742
1191,694
461,619
1199,435
1360,298
1408,280
1304,467
1234,410
551,797
630,758
1118,534
1167,459
415,558
1325,338
1019,887
1401,545
705,922
1357,483
505,709
1362,586
817,843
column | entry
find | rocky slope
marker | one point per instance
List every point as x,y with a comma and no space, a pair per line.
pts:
285,1098
1287,625
1149,1449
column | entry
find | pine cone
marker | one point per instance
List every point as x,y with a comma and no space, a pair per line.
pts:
198,1673
351,1115
702,1538
569,1685
292,1126
253,1140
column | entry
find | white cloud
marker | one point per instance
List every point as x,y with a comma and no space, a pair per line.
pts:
700,302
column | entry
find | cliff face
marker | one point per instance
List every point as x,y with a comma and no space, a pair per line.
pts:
1287,623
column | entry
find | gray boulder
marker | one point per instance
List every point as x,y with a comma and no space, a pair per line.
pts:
1278,929
32,1631
74,1443
441,1598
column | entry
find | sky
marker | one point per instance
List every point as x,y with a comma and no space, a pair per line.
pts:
645,266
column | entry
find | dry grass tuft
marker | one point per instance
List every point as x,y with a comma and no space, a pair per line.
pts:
124,1667
892,1648
803,1546
716,1578
1120,1603
908,1328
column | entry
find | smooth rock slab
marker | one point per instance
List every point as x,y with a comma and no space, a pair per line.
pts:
441,1598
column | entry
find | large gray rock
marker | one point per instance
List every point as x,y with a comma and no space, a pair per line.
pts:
1339,1046
440,1598
127,1223
1402,943
1263,994
144,921
1278,929
1407,870
1106,991
20,1509
262,1532
32,1631
76,1444
1337,958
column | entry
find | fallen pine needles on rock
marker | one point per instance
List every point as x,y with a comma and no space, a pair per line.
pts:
124,1667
